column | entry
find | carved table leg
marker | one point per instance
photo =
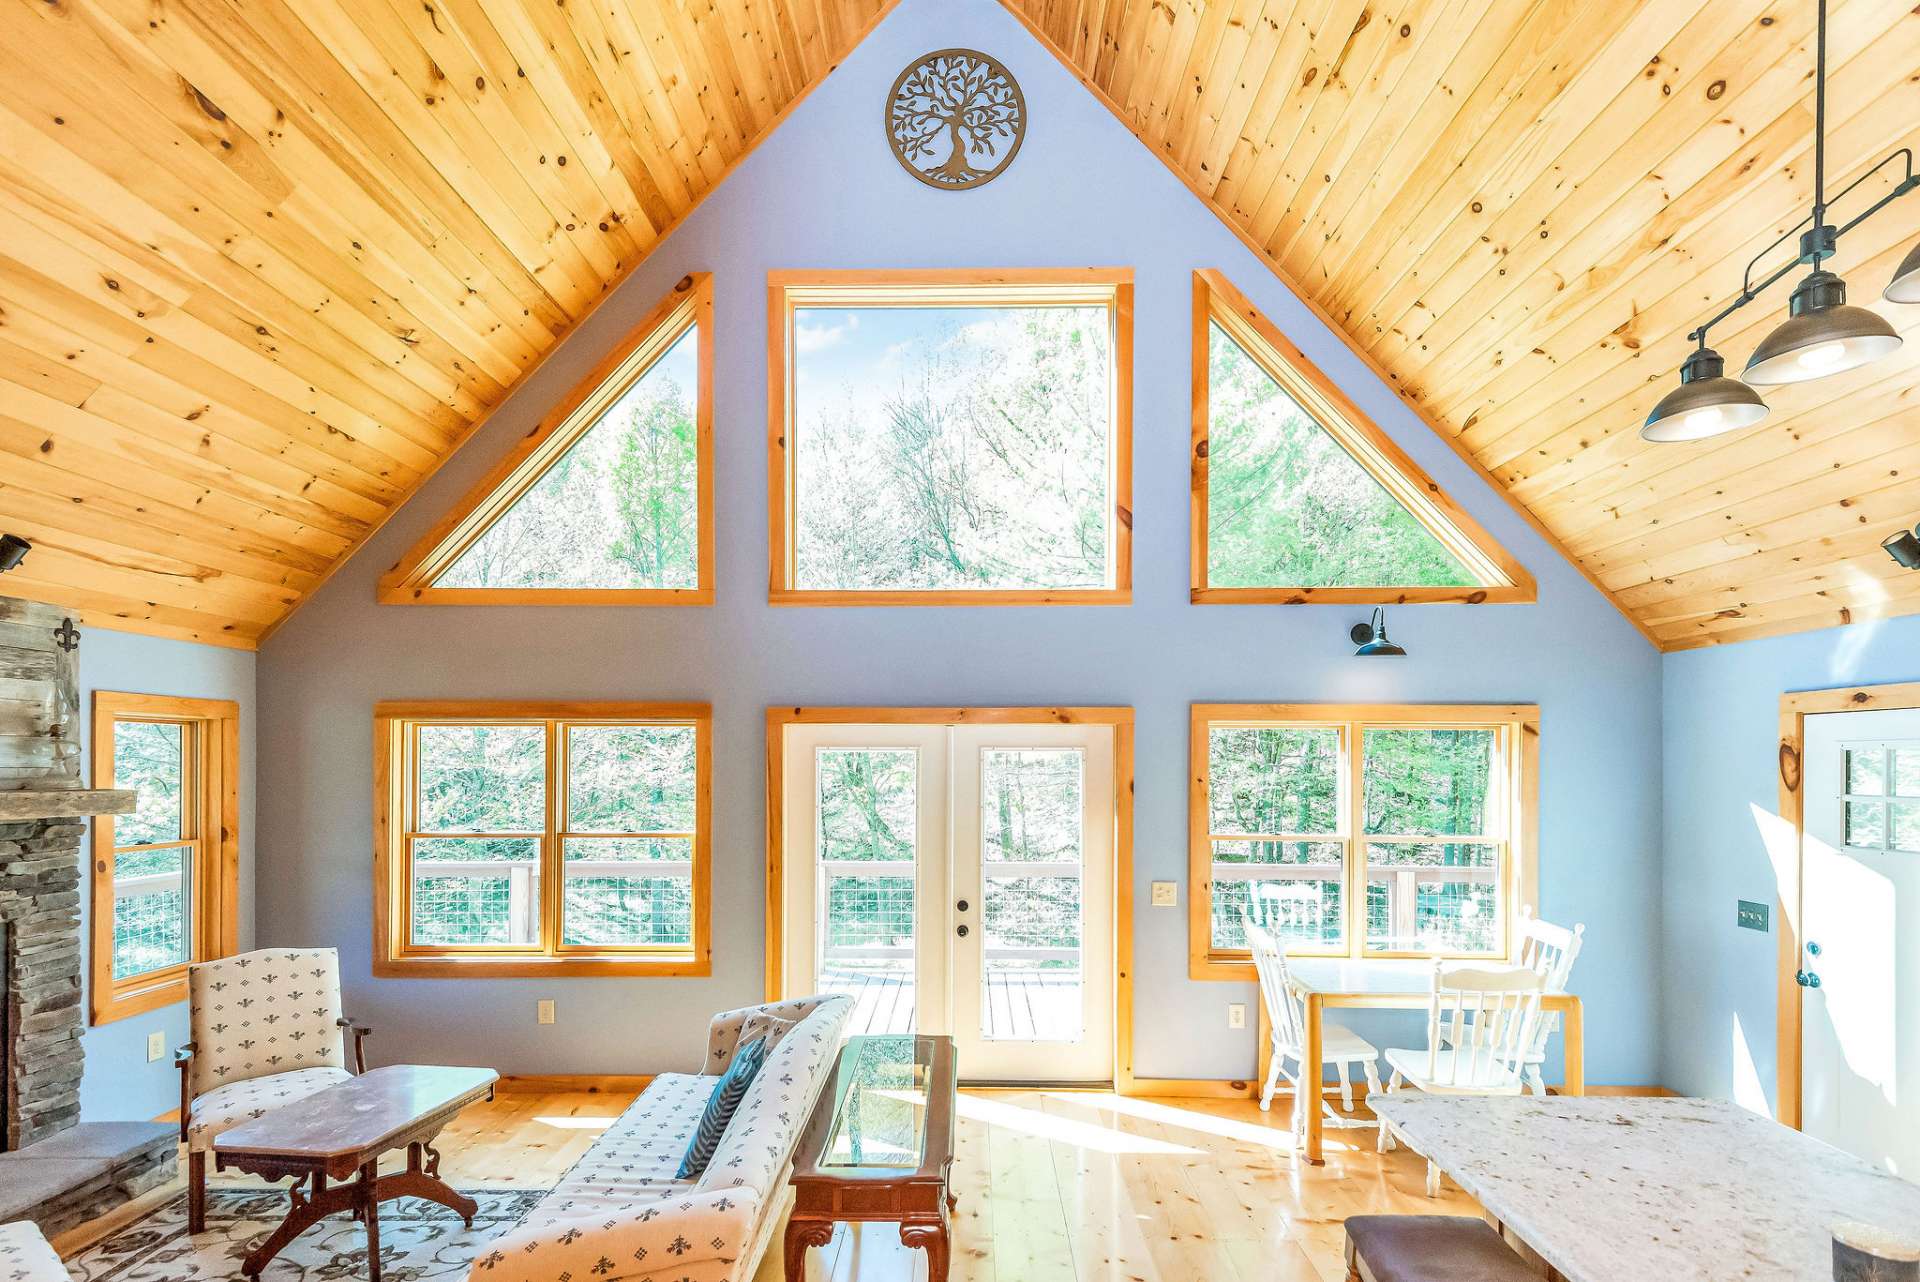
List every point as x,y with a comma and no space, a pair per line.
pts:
366,1188
930,1237
802,1234
303,1212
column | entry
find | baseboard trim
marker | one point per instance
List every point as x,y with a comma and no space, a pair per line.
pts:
587,1083
1190,1087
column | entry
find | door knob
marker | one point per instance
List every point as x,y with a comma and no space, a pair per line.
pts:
1806,979
1813,949
961,906
960,930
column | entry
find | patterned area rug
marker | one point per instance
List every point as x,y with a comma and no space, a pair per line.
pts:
418,1241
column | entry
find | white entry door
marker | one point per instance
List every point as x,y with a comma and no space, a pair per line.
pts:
1860,894
958,880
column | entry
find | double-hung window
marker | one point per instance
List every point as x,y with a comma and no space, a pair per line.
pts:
165,877
542,838
1359,832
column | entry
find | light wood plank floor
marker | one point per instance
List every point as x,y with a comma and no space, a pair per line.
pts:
1054,1187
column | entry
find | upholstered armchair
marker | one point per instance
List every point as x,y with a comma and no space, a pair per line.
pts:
267,1031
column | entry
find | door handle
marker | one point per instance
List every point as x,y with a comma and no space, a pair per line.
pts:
1806,979
961,906
961,930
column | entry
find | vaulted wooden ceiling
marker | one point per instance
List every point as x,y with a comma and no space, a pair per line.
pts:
1516,209
264,266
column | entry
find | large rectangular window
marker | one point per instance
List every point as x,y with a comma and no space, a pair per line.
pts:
950,437
543,838
1359,832
164,876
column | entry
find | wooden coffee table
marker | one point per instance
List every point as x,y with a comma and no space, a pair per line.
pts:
334,1133
879,1146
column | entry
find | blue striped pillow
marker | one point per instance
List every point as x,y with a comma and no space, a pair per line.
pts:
726,1097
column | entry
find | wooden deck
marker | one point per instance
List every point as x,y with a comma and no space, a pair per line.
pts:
1020,1003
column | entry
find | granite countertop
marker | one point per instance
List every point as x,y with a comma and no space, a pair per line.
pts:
1612,1188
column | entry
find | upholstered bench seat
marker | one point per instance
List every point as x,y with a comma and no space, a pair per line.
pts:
25,1255
1430,1248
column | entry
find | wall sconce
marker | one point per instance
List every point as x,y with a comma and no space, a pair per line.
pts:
1904,547
13,550
1372,637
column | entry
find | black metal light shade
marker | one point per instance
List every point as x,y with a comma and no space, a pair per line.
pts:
1905,285
1706,403
1372,637
13,550
1822,335
1904,547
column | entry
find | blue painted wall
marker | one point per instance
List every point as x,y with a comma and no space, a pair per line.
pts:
825,192
1721,717
119,1084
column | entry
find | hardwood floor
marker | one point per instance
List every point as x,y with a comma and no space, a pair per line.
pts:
1054,1186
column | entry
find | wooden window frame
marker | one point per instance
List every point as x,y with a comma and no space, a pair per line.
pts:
688,307
396,956
1519,871
788,291
1503,580
210,812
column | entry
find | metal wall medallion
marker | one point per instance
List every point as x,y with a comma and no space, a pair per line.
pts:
956,119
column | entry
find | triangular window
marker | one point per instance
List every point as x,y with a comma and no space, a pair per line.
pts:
1298,496
608,499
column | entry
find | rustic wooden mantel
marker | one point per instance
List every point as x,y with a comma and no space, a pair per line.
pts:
64,803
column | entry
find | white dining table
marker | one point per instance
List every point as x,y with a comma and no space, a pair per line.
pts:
1603,1189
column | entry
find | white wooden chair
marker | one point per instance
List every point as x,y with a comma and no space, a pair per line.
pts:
1549,952
1481,1025
1339,1046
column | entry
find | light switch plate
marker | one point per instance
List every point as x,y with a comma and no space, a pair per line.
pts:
1751,916
1166,894
543,1010
1236,1014
156,1046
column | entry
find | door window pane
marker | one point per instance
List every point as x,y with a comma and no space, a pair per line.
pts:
482,778
952,448
1866,772
631,778
1031,813
628,890
1866,823
867,800
1904,822
1906,772
475,890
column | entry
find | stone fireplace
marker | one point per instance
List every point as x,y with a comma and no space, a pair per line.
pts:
54,1169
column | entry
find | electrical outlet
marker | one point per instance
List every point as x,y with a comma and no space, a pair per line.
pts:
1166,894
543,1010
156,1046
1236,1014
1751,916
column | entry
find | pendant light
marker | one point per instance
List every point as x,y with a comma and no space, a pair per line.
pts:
1705,404
1905,285
1823,334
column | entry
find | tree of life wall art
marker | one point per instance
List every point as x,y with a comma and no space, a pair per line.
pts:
956,119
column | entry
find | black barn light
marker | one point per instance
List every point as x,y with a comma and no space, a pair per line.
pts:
1372,637
13,550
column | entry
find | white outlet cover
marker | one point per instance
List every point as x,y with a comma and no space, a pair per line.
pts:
1166,894
156,1046
543,1010
1236,1014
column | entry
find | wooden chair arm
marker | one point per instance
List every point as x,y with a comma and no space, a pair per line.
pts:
183,1060
360,1034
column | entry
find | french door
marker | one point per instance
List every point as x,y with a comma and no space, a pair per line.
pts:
957,879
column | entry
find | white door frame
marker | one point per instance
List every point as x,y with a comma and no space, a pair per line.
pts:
1120,719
